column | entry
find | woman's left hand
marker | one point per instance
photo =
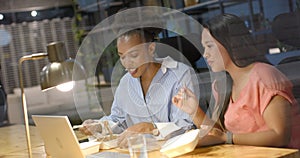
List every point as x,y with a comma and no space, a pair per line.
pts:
214,136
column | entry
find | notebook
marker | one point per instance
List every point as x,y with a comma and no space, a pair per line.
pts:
60,139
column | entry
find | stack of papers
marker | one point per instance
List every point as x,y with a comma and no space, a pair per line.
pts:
166,129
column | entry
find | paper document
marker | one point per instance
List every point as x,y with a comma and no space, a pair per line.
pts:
85,145
166,129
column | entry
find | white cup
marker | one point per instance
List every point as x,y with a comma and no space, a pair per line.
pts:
137,146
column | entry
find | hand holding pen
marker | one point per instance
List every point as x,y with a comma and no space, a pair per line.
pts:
186,101
90,127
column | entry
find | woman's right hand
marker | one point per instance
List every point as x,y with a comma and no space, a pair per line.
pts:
186,100
90,127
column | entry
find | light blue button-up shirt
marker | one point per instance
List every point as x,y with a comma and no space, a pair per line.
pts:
130,107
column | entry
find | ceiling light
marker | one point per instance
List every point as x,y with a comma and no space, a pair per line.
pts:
34,13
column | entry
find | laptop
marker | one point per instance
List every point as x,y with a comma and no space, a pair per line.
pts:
60,139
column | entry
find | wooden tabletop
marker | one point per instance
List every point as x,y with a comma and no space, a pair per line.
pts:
238,151
231,151
13,142
13,145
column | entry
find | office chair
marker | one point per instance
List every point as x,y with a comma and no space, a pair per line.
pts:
181,44
286,28
290,67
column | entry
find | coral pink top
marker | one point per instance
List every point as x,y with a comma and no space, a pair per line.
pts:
245,115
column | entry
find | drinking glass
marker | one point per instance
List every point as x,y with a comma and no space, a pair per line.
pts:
137,146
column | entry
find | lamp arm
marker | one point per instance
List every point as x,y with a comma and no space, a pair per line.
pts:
35,56
24,104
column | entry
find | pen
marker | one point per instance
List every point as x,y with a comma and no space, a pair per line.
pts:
81,126
184,97
77,126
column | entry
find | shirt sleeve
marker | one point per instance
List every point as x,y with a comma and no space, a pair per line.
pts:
117,116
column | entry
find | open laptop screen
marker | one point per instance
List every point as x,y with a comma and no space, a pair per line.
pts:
58,135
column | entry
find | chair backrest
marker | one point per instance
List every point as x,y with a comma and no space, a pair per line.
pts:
290,67
289,60
286,28
184,46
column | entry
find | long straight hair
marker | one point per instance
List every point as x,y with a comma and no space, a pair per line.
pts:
231,31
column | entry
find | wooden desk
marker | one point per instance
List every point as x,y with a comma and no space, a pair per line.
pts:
232,151
13,145
13,142
239,151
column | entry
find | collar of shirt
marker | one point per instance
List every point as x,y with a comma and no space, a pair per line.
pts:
166,63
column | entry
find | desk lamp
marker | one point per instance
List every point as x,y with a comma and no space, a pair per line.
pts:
58,73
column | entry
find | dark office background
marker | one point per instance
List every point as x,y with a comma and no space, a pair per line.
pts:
22,34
